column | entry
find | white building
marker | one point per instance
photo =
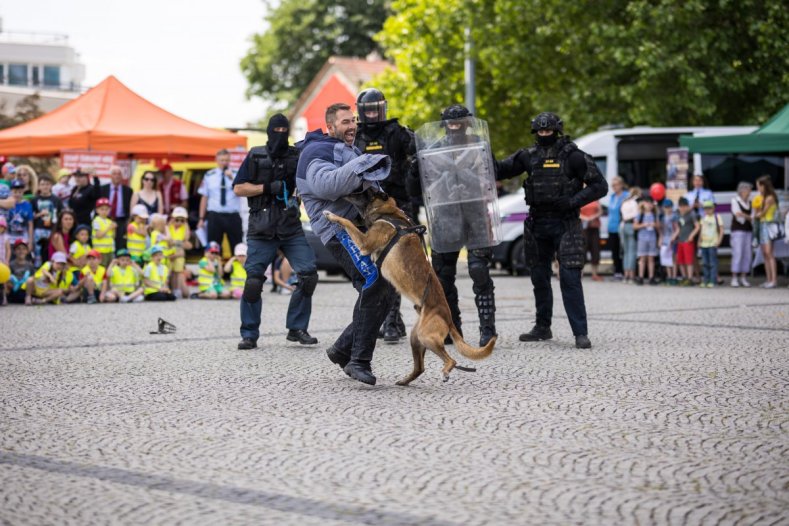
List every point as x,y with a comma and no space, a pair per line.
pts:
38,63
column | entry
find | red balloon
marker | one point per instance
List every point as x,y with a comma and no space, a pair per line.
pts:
657,191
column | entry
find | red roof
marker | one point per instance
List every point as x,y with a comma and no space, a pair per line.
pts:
112,117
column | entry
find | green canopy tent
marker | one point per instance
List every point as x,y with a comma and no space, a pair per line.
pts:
773,137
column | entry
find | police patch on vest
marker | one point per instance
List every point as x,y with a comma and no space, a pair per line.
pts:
550,163
374,146
364,264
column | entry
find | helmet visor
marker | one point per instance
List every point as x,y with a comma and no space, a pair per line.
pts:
371,111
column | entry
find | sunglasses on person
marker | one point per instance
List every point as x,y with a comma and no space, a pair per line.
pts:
149,179
180,220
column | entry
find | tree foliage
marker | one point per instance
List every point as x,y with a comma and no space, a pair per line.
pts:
25,110
300,37
629,62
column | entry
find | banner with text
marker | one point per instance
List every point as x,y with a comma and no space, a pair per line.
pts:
100,162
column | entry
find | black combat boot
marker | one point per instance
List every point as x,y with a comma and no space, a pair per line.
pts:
246,344
486,308
538,333
582,342
338,357
301,336
360,371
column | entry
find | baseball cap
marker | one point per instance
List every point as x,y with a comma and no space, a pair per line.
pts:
140,210
94,254
20,242
122,252
668,203
63,172
17,183
80,228
166,168
180,211
213,246
59,257
79,173
8,168
708,204
102,201
683,202
240,250
156,249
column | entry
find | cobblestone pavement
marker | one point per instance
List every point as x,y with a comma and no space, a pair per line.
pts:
678,415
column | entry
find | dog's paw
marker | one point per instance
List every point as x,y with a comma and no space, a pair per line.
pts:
331,217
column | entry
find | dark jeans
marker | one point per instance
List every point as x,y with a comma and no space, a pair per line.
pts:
358,338
160,296
220,224
548,234
260,254
120,233
709,258
616,255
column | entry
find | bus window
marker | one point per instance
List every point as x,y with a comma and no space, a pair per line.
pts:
642,158
602,164
724,171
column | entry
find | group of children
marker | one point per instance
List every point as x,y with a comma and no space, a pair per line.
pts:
674,236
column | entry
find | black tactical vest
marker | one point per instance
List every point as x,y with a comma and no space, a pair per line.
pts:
550,176
385,140
269,215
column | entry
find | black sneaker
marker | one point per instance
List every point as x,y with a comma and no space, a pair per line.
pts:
538,333
301,336
360,371
639,281
582,342
654,281
247,344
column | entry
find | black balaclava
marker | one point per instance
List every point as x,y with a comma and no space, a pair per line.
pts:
277,141
547,141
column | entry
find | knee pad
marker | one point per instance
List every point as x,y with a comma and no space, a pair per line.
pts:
478,270
253,287
308,282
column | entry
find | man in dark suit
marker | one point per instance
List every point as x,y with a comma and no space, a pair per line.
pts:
119,196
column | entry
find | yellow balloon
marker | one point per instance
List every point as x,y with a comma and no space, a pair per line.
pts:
757,201
5,273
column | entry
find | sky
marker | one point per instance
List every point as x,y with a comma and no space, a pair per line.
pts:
182,55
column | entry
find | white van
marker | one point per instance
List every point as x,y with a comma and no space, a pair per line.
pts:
639,156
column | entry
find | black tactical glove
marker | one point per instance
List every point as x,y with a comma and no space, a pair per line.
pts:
273,188
562,204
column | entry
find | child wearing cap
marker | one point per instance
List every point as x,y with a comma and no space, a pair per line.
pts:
123,280
78,251
209,277
21,269
137,233
645,226
92,277
179,232
103,231
46,210
668,229
50,283
155,277
709,241
20,216
235,267
5,241
684,236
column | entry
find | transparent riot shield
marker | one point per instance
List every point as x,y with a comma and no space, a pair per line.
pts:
458,185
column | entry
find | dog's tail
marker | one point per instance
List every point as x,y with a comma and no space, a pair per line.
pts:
470,352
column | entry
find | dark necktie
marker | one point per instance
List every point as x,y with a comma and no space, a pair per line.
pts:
114,202
223,187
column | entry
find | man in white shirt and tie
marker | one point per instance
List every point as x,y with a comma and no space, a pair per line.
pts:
119,196
219,206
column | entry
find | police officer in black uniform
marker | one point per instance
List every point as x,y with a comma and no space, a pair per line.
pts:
561,179
479,260
377,134
267,177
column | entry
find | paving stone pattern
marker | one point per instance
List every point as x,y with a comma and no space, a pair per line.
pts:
678,415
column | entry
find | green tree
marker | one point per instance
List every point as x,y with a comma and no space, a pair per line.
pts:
300,36
629,62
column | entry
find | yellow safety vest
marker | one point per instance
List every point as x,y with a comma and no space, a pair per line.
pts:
135,242
77,250
167,251
157,277
238,276
106,244
124,279
39,277
205,278
98,277
177,233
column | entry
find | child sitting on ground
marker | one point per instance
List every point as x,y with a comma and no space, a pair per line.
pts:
647,235
93,277
21,269
684,236
235,267
156,276
668,226
209,277
709,241
50,283
78,251
123,281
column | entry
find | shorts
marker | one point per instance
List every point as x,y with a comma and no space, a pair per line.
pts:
179,264
666,255
647,246
215,287
686,253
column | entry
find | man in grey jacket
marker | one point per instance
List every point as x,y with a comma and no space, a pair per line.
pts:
329,169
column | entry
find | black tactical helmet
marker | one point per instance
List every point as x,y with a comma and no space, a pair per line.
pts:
371,100
455,112
547,121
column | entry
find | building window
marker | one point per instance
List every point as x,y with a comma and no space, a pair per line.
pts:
17,74
52,76
36,76
2,73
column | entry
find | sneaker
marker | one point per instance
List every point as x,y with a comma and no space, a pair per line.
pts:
247,344
654,281
538,333
582,342
91,300
734,283
139,299
618,277
768,285
285,292
125,299
710,285
639,281
744,282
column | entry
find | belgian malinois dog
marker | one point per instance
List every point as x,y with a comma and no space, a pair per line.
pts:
406,267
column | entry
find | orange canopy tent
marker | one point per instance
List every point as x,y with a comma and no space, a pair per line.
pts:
112,117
